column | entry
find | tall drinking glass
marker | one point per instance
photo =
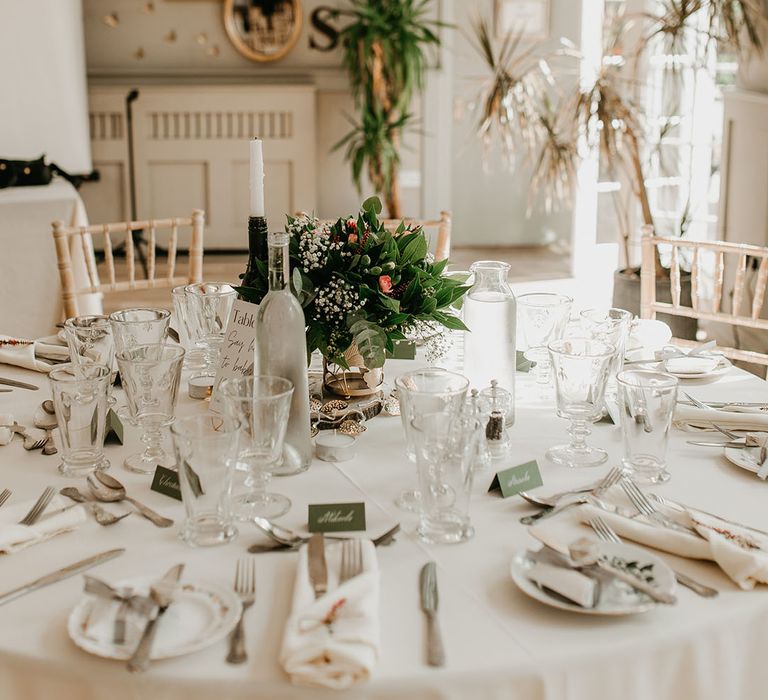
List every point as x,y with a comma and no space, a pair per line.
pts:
139,326
151,375
208,307
646,402
542,319
80,402
262,405
446,448
206,449
194,358
431,390
581,367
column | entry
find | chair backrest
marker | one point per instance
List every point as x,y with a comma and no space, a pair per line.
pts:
720,249
442,247
65,237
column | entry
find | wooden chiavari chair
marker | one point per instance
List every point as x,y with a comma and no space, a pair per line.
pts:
71,291
745,255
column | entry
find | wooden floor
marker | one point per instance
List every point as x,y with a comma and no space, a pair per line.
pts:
527,265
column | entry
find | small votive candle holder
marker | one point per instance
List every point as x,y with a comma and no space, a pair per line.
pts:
335,446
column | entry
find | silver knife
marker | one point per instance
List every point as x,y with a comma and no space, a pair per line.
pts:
60,574
318,571
18,384
428,585
162,593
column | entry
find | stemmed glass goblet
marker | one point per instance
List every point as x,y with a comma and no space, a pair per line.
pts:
151,375
543,317
262,404
581,367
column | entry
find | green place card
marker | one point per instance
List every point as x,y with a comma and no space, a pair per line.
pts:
516,479
523,365
336,517
166,481
114,431
403,350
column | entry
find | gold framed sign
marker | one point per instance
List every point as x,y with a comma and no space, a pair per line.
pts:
263,30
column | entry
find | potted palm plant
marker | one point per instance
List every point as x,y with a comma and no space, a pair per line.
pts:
516,103
384,53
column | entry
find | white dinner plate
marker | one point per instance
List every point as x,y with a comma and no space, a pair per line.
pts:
722,367
616,598
746,458
201,615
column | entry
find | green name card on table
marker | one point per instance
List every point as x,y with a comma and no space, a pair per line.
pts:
114,431
166,481
523,365
516,479
336,517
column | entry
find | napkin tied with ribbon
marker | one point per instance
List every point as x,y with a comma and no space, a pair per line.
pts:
14,537
333,641
670,351
742,554
693,419
38,355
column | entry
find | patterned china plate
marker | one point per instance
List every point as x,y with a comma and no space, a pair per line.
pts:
744,458
616,598
202,614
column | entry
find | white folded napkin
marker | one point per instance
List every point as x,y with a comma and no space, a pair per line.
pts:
14,537
333,641
740,553
648,335
34,356
569,583
669,351
691,365
691,418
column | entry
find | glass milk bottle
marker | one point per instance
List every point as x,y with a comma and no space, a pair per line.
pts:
281,351
490,313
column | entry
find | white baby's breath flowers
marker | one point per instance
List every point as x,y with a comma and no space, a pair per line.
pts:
315,242
336,301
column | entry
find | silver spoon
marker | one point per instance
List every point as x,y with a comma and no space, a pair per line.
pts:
109,489
102,517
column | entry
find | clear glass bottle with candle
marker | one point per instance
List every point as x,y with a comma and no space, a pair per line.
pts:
490,313
281,351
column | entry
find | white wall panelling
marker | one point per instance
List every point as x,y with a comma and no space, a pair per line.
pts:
191,151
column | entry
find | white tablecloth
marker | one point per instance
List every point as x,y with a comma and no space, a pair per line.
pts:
30,292
499,643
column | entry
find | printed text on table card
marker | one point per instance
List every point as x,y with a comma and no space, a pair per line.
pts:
336,517
516,479
166,481
237,351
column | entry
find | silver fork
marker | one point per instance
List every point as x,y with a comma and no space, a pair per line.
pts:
611,478
351,559
245,587
606,533
40,505
646,508
5,495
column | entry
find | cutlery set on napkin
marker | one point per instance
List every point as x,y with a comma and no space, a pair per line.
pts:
38,355
740,551
331,638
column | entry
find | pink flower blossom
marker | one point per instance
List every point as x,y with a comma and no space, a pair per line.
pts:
385,284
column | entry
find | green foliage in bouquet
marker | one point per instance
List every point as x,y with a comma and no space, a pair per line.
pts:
360,284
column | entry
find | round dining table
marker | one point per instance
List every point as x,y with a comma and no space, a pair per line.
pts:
499,643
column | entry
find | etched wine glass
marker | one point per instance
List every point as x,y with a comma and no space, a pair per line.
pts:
581,367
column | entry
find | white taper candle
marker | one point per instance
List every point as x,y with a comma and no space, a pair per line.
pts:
257,178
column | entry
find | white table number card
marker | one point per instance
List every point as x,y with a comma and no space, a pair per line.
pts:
239,344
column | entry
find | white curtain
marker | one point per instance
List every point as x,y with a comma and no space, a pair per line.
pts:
43,99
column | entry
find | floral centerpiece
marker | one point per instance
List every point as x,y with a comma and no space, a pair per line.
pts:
363,288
